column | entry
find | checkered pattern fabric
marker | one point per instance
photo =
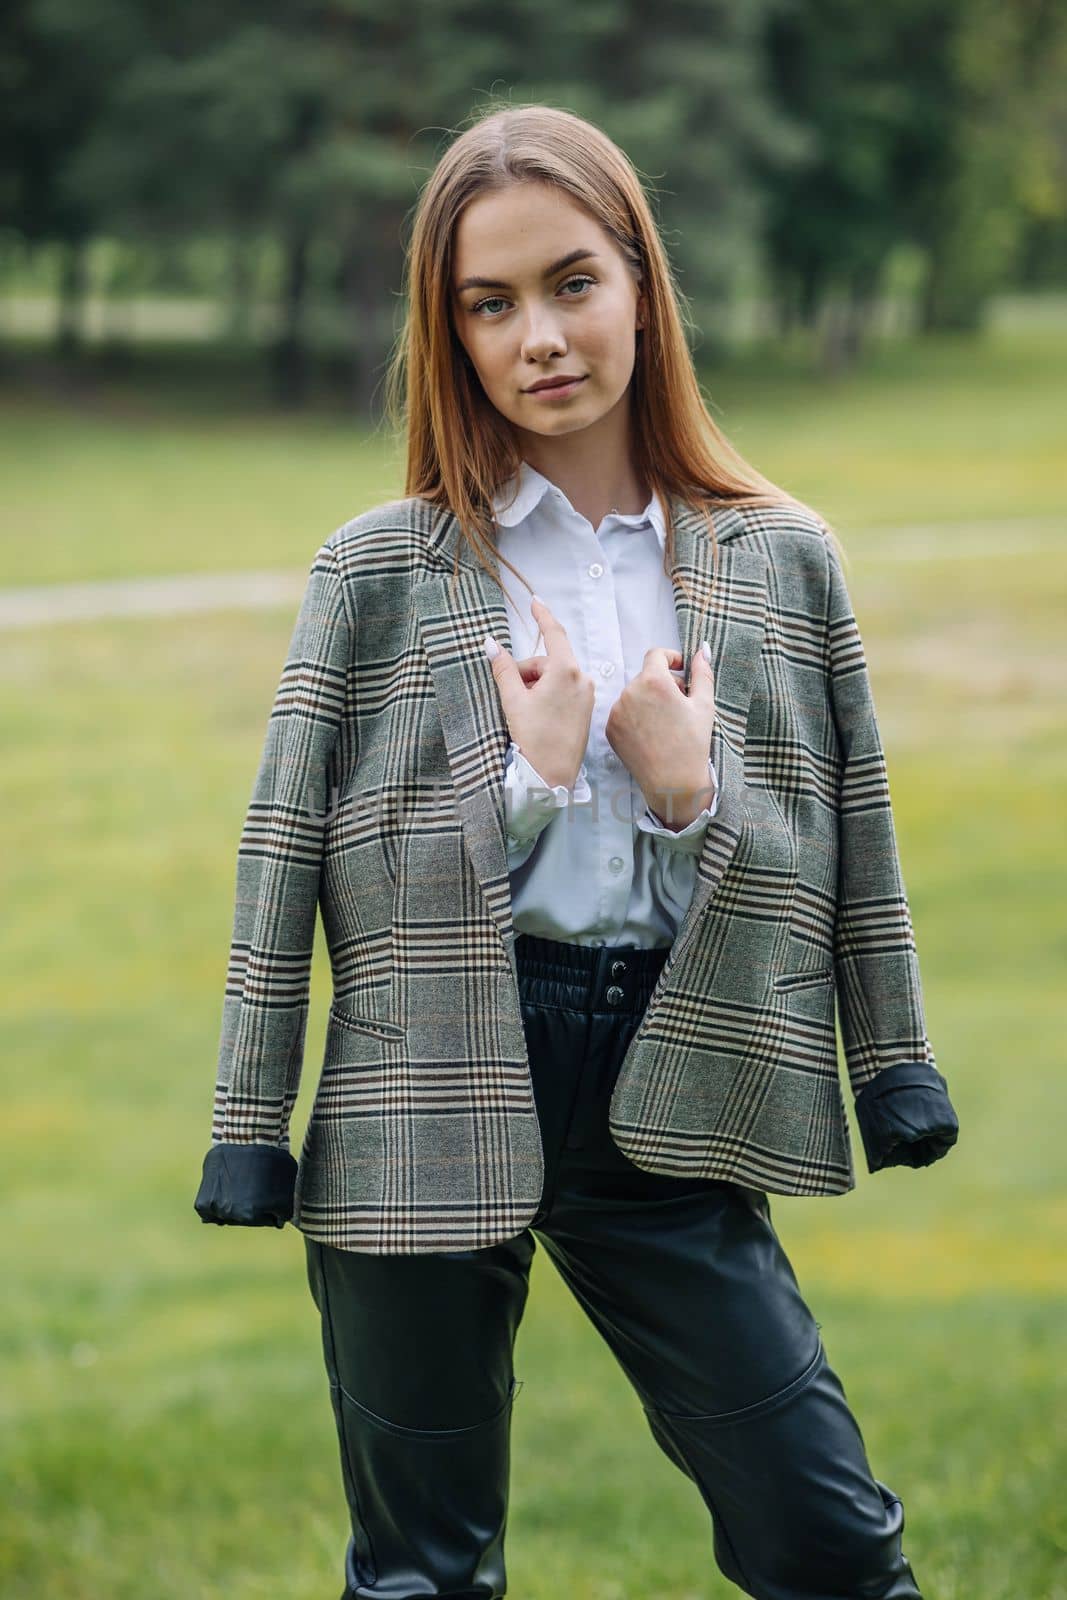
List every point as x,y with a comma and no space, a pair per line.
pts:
379,802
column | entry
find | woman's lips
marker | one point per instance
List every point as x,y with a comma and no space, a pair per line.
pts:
556,390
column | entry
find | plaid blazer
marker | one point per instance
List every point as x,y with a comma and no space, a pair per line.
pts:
379,800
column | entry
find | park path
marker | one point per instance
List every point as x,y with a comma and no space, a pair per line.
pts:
45,604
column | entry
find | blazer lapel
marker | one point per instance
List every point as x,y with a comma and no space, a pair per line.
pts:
730,594
454,615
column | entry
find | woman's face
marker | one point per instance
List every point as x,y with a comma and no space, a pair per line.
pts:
531,318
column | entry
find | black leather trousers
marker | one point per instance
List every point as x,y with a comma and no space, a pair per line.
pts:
689,1285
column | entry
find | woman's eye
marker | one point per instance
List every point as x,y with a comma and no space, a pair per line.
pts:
581,279
496,299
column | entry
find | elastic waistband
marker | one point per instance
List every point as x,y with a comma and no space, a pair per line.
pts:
577,977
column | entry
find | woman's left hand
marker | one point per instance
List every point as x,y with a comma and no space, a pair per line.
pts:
663,735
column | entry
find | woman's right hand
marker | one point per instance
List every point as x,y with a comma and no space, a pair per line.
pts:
548,702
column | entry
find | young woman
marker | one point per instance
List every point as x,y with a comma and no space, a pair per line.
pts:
593,868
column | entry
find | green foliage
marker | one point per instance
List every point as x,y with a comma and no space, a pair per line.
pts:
796,147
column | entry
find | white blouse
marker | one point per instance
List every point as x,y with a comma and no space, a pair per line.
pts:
592,865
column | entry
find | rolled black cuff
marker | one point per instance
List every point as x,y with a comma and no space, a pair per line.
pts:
247,1186
905,1117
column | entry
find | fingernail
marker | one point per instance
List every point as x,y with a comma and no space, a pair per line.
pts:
705,650
536,597
492,649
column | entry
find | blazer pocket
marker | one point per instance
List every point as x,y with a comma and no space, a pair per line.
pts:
803,980
373,1026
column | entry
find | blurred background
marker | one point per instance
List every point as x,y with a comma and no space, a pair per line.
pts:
203,213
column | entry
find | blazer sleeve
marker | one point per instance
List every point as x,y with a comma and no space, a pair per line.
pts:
903,1110
249,1172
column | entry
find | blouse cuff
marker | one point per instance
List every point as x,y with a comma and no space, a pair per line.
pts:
690,839
530,802
905,1117
247,1185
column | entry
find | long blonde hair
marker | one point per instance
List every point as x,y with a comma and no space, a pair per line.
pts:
460,450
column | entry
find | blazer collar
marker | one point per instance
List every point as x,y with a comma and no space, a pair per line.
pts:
458,603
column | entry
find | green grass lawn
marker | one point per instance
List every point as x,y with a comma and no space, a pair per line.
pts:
166,1422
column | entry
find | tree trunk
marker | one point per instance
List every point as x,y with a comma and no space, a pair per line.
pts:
848,324
289,357
242,254
73,283
363,271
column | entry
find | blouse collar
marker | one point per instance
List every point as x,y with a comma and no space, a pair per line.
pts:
514,502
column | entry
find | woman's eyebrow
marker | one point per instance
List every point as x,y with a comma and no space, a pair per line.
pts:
550,272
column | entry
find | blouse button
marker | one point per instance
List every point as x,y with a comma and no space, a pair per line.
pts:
596,570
